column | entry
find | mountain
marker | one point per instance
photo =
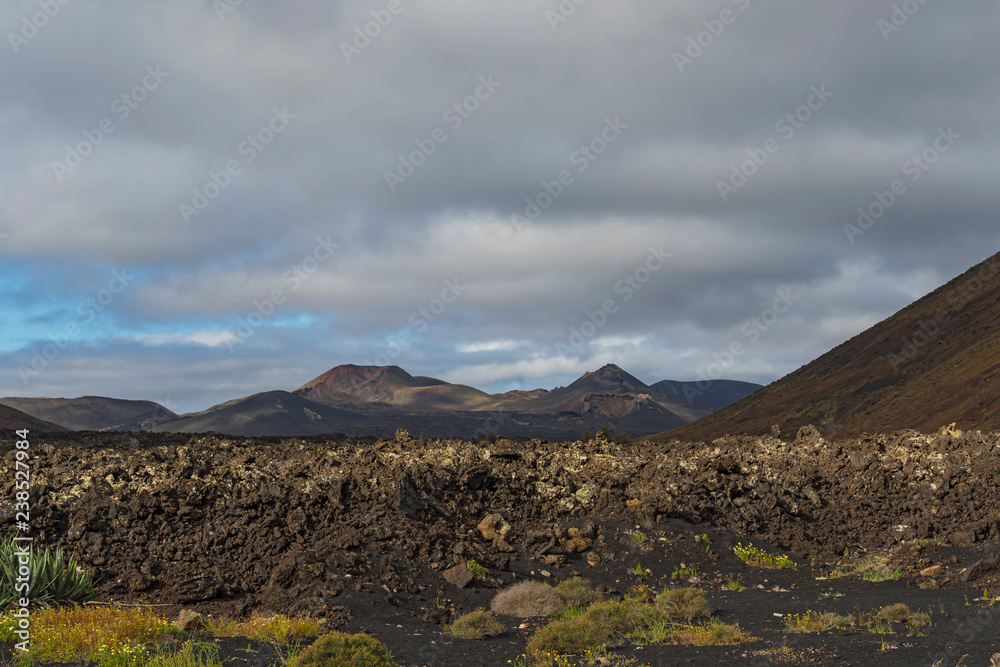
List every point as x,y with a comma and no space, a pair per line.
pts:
715,394
271,413
15,419
935,362
93,413
391,386
376,400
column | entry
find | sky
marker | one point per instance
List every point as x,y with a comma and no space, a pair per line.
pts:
200,200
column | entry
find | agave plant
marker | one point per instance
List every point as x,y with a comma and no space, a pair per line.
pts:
52,577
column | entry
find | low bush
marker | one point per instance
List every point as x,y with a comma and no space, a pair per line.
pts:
567,636
757,557
478,624
527,599
812,621
626,617
338,649
280,629
894,613
713,633
577,592
684,603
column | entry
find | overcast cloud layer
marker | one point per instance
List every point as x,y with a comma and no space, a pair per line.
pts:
201,200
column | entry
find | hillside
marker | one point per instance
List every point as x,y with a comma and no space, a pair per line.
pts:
271,413
935,362
91,413
15,419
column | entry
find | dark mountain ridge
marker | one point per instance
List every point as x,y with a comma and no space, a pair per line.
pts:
933,363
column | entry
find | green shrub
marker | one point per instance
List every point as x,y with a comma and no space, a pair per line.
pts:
477,570
338,649
52,577
756,557
684,603
478,624
567,636
527,599
577,592
626,617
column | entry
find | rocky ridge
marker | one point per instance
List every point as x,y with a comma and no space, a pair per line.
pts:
290,524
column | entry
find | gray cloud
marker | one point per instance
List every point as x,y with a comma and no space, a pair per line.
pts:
323,177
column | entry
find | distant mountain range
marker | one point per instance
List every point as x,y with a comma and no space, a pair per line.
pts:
93,413
935,362
376,400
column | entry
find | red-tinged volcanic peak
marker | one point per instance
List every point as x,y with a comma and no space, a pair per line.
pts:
16,420
609,378
933,363
391,386
354,380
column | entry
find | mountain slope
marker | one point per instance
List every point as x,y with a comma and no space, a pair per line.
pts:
15,419
271,413
935,362
91,413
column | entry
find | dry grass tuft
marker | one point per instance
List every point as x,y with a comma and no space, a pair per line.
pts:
894,613
684,603
280,628
527,599
713,633
478,624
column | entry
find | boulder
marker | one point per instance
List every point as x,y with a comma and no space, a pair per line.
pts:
460,575
494,528
188,620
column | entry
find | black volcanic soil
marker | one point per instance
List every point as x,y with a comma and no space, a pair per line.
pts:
359,532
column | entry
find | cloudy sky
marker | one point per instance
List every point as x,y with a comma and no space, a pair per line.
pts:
201,200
